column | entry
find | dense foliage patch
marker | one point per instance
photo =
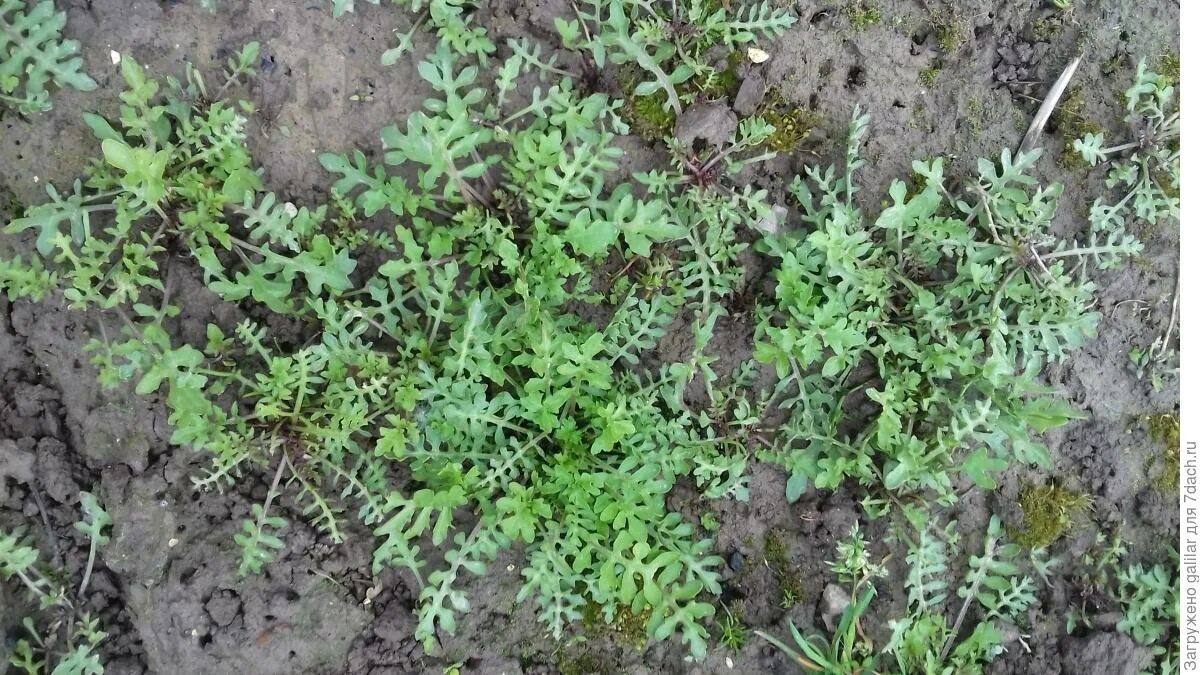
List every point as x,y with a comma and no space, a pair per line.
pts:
941,313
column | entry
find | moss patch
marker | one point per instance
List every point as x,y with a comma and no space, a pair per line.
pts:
722,83
929,75
1070,123
948,31
1048,510
1047,27
581,663
1168,65
646,115
862,15
791,584
793,123
974,117
1164,428
627,627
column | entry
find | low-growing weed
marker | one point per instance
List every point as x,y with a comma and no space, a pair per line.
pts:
733,630
849,651
954,303
33,54
458,359
67,641
1144,167
669,42
926,639
475,377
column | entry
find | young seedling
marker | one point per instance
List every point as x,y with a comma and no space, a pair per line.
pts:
32,652
33,53
95,519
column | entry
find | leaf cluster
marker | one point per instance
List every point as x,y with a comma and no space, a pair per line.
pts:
667,41
33,54
67,643
938,316
1144,169
926,639
460,362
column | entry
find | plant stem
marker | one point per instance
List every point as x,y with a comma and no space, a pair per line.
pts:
1088,250
970,596
87,572
272,492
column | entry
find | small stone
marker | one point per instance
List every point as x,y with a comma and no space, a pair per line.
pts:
757,55
834,602
736,561
711,122
750,94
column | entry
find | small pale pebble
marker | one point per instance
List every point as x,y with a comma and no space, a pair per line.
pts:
172,542
757,55
115,56
729,663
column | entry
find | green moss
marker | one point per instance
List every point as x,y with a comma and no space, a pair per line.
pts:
581,663
1142,261
1068,114
1113,63
793,123
1048,512
651,118
1168,65
723,83
862,15
627,627
1165,180
974,117
948,31
929,75
1047,27
1070,123
1164,428
11,208
791,584
774,550
647,117
1072,160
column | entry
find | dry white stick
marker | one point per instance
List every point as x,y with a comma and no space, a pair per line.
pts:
1048,104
